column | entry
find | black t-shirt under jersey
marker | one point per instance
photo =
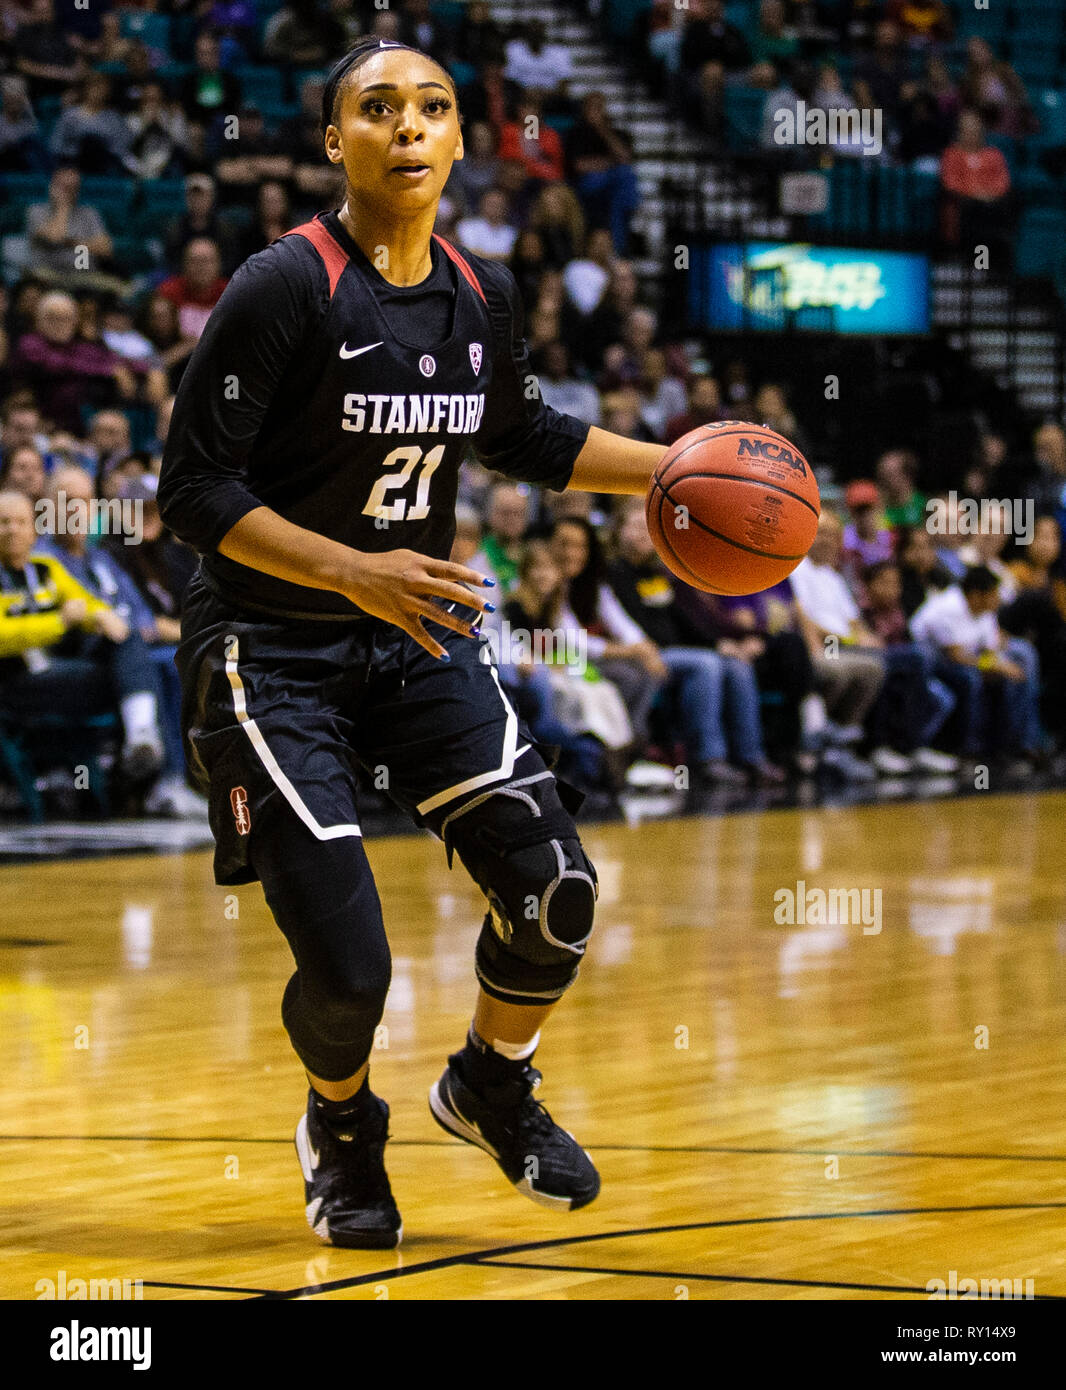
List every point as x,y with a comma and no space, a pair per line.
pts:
346,404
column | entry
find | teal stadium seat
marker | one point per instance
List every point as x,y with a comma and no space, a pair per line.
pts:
162,198
743,115
152,29
261,86
622,16
1038,245
1050,105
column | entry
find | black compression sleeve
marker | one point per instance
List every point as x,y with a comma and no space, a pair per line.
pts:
272,301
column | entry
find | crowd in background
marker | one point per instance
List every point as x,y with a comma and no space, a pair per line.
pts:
892,650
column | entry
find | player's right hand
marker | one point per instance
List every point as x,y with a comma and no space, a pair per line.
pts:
74,612
400,586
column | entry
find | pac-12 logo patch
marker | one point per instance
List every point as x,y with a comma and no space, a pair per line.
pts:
476,356
238,800
428,365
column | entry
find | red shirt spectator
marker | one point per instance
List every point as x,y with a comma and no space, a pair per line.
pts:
198,288
541,154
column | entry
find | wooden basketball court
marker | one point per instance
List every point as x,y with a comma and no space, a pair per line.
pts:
814,1110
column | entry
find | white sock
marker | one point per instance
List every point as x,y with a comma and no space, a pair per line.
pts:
812,715
516,1052
140,718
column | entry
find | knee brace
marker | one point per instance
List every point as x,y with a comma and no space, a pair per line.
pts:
520,845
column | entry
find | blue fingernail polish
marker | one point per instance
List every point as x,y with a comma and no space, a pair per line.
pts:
475,632
490,608
491,583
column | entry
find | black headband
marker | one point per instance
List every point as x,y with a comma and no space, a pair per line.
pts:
341,69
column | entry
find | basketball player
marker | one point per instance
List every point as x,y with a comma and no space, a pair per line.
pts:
313,461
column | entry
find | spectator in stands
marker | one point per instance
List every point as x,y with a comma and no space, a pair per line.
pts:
975,180
562,704
159,323
992,88
623,362
904,504
601,160
316,180
491,234
112,45
621,651
256,154
773,45
273,217
208,92
913,705
1038,614
71,492
983,668
491,97
866,539
533,62
109,447
716,697
137,74
65,651
530,140
922,23
22,149
159,566
622,414
921,573
1047,481
90,133
198,288
422,29
527,263
662,393
506,519
158,134
23,471
563,391
604,325
848,668
58,228
234,22
586,278
712,50
704,407
481,39
118,333
556,215
880,77
45,53
303,35
21,425
924,131
200,218
986,548
478,170
772,408
830,94
65,371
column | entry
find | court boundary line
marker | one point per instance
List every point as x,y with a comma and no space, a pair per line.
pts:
599,1148
475,1257
742,1279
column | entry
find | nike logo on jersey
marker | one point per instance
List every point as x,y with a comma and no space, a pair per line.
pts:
347,352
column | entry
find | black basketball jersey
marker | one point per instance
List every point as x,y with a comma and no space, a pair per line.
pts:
300,397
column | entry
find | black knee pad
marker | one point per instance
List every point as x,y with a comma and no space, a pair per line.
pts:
520,845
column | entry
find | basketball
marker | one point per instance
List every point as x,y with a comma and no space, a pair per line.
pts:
733,508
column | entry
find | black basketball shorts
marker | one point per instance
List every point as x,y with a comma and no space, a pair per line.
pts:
285,708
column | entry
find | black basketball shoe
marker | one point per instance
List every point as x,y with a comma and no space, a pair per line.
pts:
346,1188
539,1158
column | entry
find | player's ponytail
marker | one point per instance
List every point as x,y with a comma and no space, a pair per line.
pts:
362,49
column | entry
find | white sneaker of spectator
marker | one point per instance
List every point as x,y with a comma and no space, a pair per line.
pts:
647,774
889,763
929,760
851,768
171,797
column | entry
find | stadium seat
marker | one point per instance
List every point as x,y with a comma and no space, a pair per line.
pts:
162,197
743,114
1050,106
152,29
25,188
1038,245
111,197
78,741
622,16
261,87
